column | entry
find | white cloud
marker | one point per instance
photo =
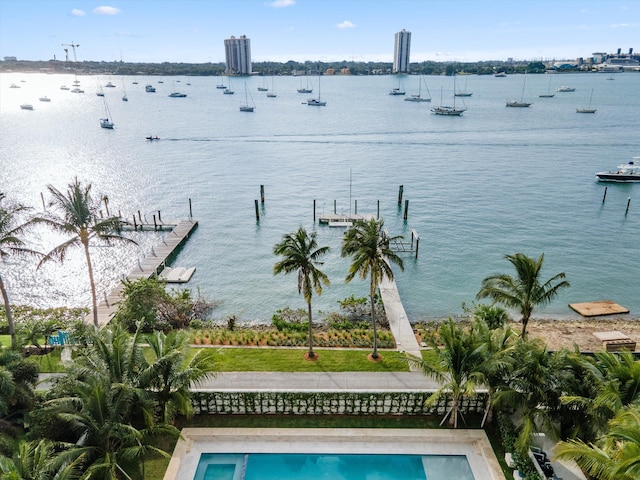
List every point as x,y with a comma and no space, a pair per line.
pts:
106,10
282,3
77,13
345,24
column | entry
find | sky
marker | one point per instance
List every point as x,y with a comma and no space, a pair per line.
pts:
193,31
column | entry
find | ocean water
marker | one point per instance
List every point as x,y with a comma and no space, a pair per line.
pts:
495,181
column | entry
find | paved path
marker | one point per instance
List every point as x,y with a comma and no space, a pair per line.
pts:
304,381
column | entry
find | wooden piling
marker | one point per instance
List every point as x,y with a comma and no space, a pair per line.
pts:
335,208
159,217
155,225
190,210
406,209
257,211
628,204
378,214
314,210
135,225
44,206
356,207
604,197
140,217
105,199
261,193
400,194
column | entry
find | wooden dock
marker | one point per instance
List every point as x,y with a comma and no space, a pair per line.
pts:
595,309
151,265
343,220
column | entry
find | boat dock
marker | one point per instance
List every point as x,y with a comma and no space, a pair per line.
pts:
152,264
398,322
338,220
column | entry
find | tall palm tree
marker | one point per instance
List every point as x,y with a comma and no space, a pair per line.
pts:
301,254
368,244
79,216
525,291
455,362
39,460
170,372
12,228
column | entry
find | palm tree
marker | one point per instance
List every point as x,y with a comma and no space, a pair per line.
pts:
369,246
300,254
40,459
525,291
79,216
12,243
169,375
455,362
616,455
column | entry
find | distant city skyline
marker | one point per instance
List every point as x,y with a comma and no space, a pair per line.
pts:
193,31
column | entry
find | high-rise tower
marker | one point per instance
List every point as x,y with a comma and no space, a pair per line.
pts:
401,51
238,55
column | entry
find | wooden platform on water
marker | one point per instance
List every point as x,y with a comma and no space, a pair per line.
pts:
598,308
343,220
152,264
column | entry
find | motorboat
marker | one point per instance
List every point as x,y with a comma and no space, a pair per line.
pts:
110,85
26,106
152,138
500,74
397,91
77,90
228,91
105,123
45,99
315,102
150,89
518,104
565,88
64,87
221,86
177,95
629,172
13,85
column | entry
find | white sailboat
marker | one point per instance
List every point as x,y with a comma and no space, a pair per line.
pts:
307,89
521,103
587,109
107,121
419,97
246,107
460,93
447,110
548,94
272,93
316,102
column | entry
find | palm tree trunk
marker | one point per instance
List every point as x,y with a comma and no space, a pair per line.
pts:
94,299
311,354
372,294
525,321
7,309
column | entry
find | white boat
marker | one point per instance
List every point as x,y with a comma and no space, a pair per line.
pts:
446,110
26,106
110,85
419,97
64,87
227,90
177,95
13,85
247,107
272,93
500,74
77,90
629,172
548,94
316,102
221,86
45,99
150,89
264,87
307,89
587,109
565,88
463,93
106,122
521,103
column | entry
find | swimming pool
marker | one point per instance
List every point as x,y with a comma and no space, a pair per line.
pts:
260,466
329,453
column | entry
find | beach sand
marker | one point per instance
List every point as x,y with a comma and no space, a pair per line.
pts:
559,334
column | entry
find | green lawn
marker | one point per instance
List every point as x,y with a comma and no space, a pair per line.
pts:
266,359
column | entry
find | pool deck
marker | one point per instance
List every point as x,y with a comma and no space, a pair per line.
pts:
474,444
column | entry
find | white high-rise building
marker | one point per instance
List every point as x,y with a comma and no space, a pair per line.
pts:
238,55
401,51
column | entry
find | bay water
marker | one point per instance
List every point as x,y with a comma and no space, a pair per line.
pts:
495,181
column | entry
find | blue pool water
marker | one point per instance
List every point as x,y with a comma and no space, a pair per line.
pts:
332,467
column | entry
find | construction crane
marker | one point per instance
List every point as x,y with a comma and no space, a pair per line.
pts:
66,51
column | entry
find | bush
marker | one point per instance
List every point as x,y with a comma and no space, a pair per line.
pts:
289,320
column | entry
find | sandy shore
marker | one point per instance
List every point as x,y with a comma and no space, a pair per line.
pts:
565,333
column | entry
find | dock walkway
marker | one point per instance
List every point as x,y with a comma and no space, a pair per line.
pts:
151,265
398,321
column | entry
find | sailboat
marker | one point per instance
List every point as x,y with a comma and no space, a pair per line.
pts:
419,97
316,102
446,110
521,103
176,94
272,93
459,93
106,122
302,89
588,109
124,89
227,90
246,107
548,94
264,87
398,90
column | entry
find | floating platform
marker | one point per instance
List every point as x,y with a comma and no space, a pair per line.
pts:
337,220
177,274
595,309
